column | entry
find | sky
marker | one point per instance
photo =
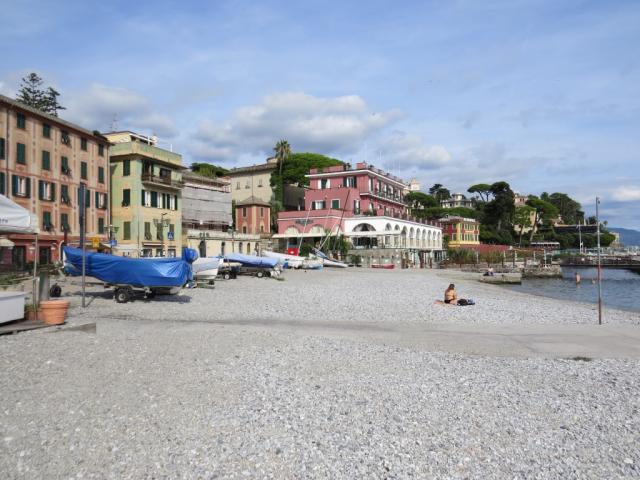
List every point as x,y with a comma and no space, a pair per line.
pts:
542,94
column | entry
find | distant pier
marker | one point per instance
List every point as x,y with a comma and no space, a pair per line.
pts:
606,261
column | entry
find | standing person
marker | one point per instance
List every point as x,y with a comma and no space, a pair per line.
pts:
577,278
450,295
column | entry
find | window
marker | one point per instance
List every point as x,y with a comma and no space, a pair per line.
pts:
165,173
83,144
100,225
147,230
64,194
46,190
101,150
259,182
247,185
244,230
335,203
101,200
126,197
101,174
146,198
2,179
237,185
21,121
21,186
244,211
262,211
126,231
318,205
1,148
46,221
126,168
83,170
154,199
65,138
159,233
173,202
46,160
21,153
261,228
325,183
64,222
64,166
46,130
356,207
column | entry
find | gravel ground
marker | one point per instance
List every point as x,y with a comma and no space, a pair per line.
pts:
363,295
160,392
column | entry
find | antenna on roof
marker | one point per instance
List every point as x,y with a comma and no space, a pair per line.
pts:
114,123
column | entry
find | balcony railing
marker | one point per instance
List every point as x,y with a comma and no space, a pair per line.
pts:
386,196
164,181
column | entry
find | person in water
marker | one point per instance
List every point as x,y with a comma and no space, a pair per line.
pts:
450,295
577,277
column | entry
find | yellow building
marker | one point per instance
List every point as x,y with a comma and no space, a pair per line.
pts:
146,198
460,231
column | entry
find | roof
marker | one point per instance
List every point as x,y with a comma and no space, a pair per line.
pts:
51,118
253,168
453,219
188,175
253,201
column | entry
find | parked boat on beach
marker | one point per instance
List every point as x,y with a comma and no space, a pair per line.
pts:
206,268
286,260
327,262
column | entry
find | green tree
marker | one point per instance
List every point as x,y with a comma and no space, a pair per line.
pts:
522,220
282,151
545,212
209,170
439,192
498,213
482,189
570,210
420,200
296,169
32,94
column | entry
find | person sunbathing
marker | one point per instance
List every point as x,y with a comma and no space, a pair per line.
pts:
451,298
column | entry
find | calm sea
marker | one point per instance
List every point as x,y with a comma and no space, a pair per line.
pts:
620,288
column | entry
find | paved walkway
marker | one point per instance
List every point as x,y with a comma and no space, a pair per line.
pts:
593,341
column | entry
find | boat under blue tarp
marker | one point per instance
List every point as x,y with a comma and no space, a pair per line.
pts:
252,260
137,272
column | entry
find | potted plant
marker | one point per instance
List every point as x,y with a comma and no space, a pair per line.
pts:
30,312
53,312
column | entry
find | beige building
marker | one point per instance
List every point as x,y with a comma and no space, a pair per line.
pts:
43,161
146,196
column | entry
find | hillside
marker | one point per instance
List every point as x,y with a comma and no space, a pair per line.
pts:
628,237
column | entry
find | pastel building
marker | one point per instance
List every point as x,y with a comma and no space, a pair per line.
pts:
43,161
461,232
146,196
457,200
253,216
364,204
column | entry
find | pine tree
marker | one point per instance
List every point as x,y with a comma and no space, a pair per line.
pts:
32,94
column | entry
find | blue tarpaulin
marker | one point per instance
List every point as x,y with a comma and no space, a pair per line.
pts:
137,272
252,260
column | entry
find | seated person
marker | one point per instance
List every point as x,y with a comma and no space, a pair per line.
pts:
450,295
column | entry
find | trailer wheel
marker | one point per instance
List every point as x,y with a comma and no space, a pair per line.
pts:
150,294
122,295
226,275
260,274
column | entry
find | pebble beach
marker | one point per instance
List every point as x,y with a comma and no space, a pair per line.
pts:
308,378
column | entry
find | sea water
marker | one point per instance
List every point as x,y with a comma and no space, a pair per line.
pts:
620,288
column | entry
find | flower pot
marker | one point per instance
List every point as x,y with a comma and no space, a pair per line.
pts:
53,312
31,315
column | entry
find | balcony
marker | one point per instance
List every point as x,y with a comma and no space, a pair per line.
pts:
386,196
166,182
146,151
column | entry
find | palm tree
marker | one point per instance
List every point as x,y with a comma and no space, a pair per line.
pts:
283,150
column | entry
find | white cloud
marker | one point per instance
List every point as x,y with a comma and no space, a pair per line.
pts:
626,193
409,151
98,106
328,125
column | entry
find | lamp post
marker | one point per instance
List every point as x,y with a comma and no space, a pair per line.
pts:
161,224
599,264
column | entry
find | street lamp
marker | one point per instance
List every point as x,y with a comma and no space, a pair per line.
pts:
112,231
161,223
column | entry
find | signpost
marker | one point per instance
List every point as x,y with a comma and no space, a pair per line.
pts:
599,267
83,243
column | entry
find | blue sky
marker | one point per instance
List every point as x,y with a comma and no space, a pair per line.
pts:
542,94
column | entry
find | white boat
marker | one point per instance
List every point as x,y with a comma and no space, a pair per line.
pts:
327,262
206,268
291,261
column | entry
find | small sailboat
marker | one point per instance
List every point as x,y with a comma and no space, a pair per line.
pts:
327,262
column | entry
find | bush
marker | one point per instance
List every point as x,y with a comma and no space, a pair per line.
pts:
305,250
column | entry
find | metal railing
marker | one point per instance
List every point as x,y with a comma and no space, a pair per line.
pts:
168,181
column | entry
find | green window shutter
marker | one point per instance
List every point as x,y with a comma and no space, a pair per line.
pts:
28,188
46,130
64,164
40,189
101,150
83,170
53,192
21,153
2,178
100,225
64,192
142,197
126,233
97,198
14,185
176,202
46,160
126,168
87,201
46,219
1,148
21,121
154,199
126,197
83,144
101,174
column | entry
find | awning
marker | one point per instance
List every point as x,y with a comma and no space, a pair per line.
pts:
5,242
16,219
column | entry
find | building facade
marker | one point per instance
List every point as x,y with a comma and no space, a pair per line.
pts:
43,162
253,216
206,202
457,200
364,204
146,197
461,232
